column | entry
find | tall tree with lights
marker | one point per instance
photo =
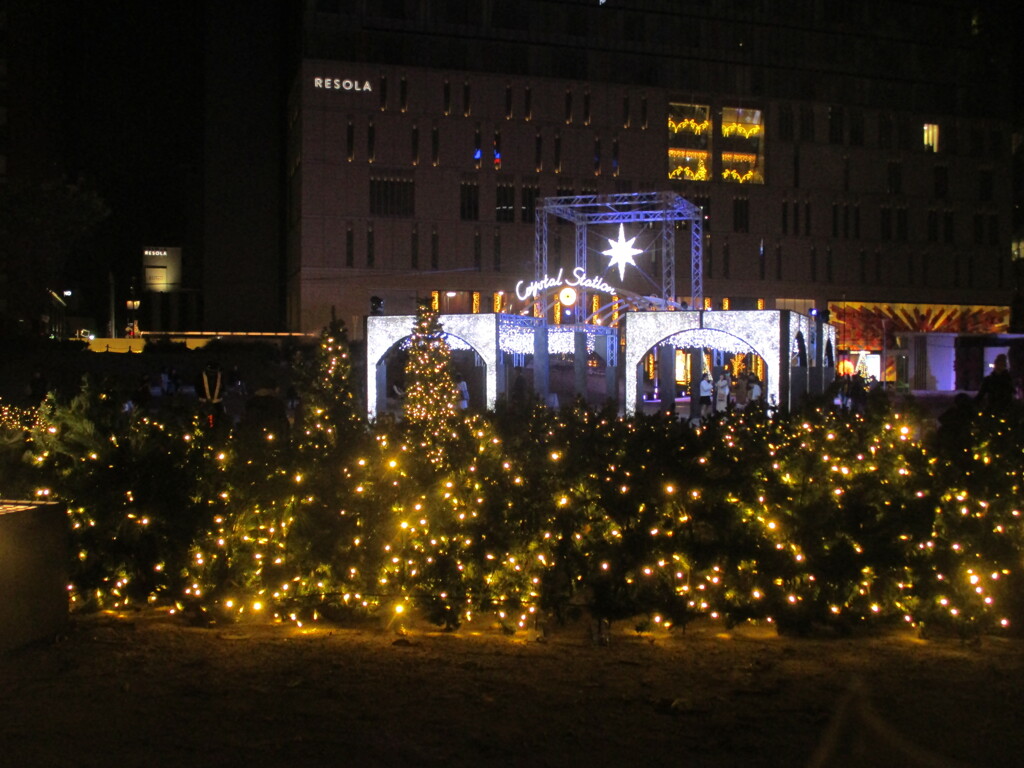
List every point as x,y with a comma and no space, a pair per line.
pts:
431,397
329,418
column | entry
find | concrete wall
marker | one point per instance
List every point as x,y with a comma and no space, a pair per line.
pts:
33,572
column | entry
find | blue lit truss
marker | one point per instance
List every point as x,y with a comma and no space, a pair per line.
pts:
665,208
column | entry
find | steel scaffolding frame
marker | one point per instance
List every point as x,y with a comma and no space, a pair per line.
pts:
665,208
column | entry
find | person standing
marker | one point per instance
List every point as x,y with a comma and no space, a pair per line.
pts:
210,391
754,393
705,390
722,393
996,392
463,388
740,392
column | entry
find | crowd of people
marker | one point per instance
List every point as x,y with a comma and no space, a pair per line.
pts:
221,396
728,393
852,390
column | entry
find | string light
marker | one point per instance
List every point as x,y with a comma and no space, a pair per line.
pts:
823,517
689,125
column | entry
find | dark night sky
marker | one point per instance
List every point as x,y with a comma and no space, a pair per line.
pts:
130,105
130,109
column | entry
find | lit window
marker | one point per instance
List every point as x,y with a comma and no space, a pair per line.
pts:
1017,250
931,137
682,367
742,145
689,142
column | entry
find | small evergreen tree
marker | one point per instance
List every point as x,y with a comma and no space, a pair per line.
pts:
329,419
431,397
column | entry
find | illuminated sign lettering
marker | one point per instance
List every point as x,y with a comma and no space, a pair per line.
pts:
338,84
579,279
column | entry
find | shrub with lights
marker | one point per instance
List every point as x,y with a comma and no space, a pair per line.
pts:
15,425
530,515
136,488
277,539
967,570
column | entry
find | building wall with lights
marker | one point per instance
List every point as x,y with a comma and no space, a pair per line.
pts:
418,141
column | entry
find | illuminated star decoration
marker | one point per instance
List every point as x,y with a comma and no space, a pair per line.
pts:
622,252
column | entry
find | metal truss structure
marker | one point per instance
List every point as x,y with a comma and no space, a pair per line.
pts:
665,208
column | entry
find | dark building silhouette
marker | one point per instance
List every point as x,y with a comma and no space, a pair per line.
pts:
852,156
308,156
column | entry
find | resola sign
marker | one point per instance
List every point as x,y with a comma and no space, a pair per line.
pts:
338,84
579,279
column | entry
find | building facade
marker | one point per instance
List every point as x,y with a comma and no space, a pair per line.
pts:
852,159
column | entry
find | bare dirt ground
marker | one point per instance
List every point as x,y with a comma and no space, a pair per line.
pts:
148,690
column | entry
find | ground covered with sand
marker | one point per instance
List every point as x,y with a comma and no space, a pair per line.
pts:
147,689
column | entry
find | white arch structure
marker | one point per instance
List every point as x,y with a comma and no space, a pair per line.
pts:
771,334
774,335
479,332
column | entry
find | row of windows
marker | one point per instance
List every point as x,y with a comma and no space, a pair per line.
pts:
870,269
819,266
893,223
684,163
395,197
576,107
416,258
847,126
844,125
940,181
491,153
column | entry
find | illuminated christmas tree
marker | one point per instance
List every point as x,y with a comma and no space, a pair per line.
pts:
329,418
431,397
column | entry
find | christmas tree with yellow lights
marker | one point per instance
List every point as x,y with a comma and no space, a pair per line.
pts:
329,419
431,397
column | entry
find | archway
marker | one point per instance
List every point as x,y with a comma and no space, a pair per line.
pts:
669,373
769,334
478,333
